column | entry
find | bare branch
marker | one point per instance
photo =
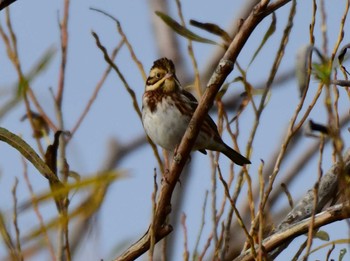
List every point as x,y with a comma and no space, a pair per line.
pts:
330,215
222,70
327,191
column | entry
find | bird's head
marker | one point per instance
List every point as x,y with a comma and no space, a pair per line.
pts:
162,76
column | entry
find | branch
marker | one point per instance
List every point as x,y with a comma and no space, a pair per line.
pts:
163,206
243,13
233,101
330,215
303,158
297,221
327,191
64,45
341,83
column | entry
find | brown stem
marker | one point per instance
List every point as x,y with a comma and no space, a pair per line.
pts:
180,158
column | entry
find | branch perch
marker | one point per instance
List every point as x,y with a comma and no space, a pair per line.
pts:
298,220
223,69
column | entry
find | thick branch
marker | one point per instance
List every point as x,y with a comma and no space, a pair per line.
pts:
297,221
327,191
332,214
180,158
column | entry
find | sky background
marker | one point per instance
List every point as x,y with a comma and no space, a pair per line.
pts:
126,212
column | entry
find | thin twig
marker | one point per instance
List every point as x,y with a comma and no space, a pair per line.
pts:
154,206
6,238
239,218
130,91
324,27
15,220
131,51
197,83
341,83
195,249
328,187
330,252
96,90
64,46
63,232
126,41
37,212
275,66
184,148
205,248
186,252
301,162
300,250
330,215
12,52
311,231
261,210
213,207
341,30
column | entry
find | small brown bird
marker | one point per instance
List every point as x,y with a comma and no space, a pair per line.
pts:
167,110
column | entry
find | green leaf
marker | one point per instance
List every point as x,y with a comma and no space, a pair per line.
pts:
302,66
178,28
269,32
38,68
303,61
212,28
322,72
323,235
88,207
74,175
342,254
97,180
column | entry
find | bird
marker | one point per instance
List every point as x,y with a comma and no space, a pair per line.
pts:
167,109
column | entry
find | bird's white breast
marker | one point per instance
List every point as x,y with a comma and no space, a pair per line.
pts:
165,125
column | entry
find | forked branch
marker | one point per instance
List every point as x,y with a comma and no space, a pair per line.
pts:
223,69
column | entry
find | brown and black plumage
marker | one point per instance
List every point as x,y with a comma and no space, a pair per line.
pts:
167,110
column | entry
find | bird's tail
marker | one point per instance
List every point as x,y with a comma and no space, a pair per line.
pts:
236,157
